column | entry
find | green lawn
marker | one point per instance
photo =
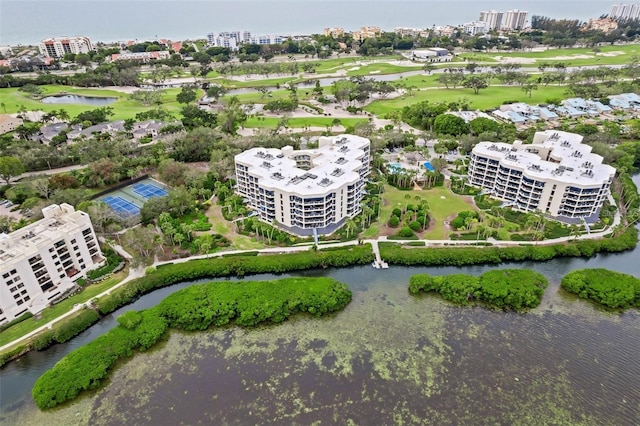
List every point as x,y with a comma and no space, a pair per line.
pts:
123,107
334,64
489,98
381,68
442,205
549,55
271,82
55,311
419,81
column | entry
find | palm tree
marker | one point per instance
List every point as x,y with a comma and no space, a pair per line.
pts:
350,225
408,198
63,115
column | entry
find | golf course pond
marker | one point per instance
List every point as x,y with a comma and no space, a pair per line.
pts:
78,99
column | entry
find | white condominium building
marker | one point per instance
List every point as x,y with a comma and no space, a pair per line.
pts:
40,262
625,11
492,18
514,19
557,175
59,46
306,191
475,27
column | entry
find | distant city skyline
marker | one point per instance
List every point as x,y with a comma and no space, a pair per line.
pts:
29,22
625,11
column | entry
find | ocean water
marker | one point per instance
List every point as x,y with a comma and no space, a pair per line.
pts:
29,21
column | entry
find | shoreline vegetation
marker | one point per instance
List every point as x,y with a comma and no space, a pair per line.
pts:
250,263
169,274
506,289
409,255
197,307
613,290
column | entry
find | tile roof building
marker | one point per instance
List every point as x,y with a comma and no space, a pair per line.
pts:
306,191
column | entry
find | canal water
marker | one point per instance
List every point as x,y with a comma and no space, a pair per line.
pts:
387,358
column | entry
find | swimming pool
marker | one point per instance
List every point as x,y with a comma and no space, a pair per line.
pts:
429,167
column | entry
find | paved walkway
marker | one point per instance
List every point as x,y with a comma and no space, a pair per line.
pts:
133,274
139,272
48,172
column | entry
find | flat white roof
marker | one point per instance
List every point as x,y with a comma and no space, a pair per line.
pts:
577,164
63,220
335,162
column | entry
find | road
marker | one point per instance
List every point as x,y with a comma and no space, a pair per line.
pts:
48,172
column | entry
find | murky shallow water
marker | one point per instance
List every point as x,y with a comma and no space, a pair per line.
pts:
387,358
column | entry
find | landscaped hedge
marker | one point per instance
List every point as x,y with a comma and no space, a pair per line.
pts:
66,330
611,289
234,266
197,307
113,261
459,256
511,289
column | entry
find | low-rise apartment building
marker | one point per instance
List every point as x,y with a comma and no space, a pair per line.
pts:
366,32
334,32
42,261
140,56
306,191
557,175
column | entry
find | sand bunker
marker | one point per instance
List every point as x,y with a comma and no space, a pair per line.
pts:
610,54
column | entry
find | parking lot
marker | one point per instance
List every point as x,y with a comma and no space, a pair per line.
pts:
6,211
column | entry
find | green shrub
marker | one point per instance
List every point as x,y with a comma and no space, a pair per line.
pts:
415,226
233,266
513,289
406,233
611,289
44,340
197,307
76,325
459,256
397,212
113,261
394,221
7,356
66,329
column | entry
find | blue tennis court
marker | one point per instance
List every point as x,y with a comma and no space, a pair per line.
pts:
148,190
121,206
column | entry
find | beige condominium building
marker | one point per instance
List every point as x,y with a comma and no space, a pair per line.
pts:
41,262
57,47
306,191
557,175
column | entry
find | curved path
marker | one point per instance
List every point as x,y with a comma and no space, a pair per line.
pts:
139,272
